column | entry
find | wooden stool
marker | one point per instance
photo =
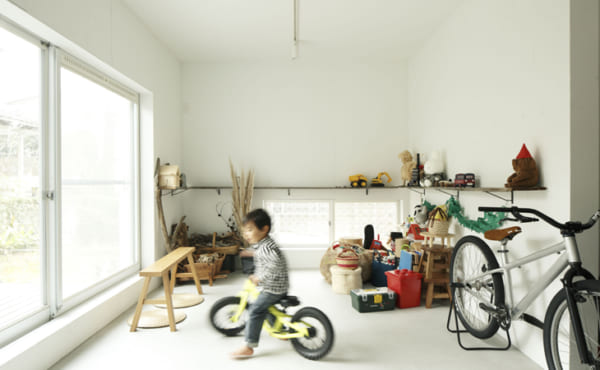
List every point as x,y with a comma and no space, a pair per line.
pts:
430,237
435,267
161,269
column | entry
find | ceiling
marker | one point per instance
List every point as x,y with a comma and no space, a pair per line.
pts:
247,30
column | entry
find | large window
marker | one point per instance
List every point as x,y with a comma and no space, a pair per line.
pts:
305,223
21,280
68,182
97,177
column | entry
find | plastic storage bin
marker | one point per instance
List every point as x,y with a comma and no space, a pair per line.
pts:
378,277
407,285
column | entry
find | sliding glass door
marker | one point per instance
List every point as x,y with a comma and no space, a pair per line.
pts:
69,180
21,268
97,180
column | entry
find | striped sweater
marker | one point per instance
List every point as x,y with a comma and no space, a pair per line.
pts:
271,267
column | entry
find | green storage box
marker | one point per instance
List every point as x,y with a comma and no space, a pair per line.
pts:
370,300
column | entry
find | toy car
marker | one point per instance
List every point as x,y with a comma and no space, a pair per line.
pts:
470,180
462,180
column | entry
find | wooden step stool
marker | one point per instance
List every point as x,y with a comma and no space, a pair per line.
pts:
435,267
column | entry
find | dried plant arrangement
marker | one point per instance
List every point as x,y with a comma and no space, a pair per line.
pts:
241,196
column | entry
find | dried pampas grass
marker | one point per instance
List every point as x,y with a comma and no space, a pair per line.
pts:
241,195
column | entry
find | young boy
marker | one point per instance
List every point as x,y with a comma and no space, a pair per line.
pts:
270,272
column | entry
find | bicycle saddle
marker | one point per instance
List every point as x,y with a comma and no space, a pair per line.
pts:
501,234
289,301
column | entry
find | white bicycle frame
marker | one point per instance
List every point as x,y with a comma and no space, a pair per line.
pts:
516,312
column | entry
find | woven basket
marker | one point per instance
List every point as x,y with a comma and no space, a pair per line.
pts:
347,259
438,227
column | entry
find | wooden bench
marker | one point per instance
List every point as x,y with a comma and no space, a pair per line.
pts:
161,268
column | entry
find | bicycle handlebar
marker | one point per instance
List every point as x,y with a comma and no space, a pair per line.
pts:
569,226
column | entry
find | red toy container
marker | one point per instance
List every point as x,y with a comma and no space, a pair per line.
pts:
407,285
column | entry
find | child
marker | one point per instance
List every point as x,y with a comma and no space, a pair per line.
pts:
270,272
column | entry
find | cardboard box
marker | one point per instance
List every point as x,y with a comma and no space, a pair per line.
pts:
371,300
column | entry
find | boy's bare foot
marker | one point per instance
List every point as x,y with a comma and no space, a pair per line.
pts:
243,352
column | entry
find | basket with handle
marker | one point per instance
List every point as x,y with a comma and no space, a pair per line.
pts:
438,222
347,259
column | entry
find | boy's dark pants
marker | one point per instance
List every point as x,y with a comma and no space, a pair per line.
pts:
258,313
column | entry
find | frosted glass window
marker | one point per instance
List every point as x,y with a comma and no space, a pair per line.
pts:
299,222
352,217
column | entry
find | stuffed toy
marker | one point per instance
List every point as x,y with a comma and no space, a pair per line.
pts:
407,166
526,172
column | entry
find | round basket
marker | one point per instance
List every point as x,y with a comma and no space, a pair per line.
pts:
347,259
438,227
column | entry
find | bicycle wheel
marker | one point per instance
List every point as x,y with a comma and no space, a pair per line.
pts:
559,344
471,257
320,339
221,314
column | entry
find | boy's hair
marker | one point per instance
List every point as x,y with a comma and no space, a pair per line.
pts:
258,217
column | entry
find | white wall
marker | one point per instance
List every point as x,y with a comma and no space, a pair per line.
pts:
298,123
107,35
495,75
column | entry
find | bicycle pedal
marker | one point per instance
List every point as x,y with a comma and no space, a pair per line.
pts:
498,312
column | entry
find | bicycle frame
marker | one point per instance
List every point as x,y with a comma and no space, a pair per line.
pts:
517,311
250,293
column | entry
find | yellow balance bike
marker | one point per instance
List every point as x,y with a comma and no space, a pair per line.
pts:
309,330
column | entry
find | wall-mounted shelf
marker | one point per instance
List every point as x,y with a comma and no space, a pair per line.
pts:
452,191
455,191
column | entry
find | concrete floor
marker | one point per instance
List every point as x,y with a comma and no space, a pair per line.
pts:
412,338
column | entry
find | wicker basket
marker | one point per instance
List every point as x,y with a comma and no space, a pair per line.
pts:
227,249
438,222
438,227
347,259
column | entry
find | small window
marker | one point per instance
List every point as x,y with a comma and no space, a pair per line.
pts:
352,217
299,222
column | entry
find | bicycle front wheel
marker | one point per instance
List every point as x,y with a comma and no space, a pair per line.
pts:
559,343
471,258
320,333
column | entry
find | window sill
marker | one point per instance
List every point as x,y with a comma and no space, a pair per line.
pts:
47,344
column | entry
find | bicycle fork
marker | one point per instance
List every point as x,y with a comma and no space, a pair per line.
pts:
577,270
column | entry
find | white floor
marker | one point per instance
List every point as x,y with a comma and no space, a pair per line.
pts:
413,338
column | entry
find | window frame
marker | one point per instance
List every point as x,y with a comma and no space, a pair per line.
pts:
65,60
50,188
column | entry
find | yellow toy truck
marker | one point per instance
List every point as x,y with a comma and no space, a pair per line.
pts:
358,181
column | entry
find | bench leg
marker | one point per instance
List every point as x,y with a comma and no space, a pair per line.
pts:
169,300
173,279
195,274
140,304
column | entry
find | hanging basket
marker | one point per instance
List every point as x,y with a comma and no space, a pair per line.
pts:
438,227
438,222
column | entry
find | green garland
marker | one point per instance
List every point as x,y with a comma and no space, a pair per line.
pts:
489,221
